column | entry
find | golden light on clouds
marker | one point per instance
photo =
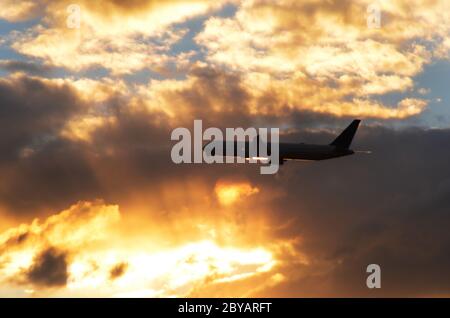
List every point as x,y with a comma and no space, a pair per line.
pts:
87,111
80,129
294,55
16,11
122,38
168,273
315,56
229,193
81,251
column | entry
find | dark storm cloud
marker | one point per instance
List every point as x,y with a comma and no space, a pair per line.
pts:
31,113
49,179
37,166
49,269
45,172
122,158
389,208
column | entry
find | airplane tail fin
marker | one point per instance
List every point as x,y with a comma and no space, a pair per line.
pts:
345,138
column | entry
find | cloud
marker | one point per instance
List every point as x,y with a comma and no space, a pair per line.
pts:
70,228
206,93
22,66
49,269
323,56
230,193
385,208
13,11
32,110
39,254
118,270
34,114
227,96
277,56
78,252
308,231
74,132
328,220
122,38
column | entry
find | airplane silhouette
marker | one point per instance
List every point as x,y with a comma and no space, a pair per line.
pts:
340,147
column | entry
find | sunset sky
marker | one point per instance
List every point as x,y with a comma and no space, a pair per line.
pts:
92,205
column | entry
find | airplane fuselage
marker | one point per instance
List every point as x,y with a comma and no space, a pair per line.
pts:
340,147
295,151
288,151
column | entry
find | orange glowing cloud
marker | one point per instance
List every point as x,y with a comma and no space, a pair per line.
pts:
81,252
230,193
17,11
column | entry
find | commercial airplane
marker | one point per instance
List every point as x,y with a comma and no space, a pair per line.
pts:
340,147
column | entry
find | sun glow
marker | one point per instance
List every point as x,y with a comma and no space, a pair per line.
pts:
167,273
79,253
229,193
